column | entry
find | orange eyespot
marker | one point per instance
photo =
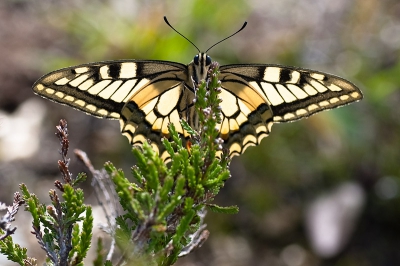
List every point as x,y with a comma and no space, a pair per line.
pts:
189,146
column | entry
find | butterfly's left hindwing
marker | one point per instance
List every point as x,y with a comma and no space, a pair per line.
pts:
144,95
256,96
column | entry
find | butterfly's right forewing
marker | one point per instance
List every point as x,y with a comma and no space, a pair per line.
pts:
256,96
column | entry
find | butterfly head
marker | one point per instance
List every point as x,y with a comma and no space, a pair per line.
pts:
201,63
198,68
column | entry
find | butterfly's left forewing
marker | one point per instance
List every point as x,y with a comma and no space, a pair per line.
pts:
144,95
256,96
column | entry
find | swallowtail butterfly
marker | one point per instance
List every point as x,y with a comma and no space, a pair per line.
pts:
146,95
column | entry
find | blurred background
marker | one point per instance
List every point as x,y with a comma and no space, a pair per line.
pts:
321,191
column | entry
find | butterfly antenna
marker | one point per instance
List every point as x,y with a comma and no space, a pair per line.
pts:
166,21
244,25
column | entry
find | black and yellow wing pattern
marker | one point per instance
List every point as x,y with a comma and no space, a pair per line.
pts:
144,95
147,95
257,96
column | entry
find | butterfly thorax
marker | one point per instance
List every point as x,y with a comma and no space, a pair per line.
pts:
197,71
198,68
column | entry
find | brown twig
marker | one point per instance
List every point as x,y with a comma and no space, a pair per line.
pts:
5,222
104,186
62,134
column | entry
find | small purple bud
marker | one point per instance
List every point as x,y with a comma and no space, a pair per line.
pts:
207,111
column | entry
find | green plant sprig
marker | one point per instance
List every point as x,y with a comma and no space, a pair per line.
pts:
165,208
56,226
